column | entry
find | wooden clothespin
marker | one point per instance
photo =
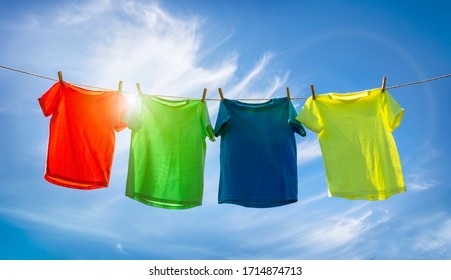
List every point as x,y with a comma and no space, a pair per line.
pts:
312,88
204,94
60,76
220,94
288,94
119,87
138,86
384,80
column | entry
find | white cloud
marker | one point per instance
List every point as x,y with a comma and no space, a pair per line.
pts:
120,248
273,89
293,232
308,150
61,219
72,14
420,182
239,89
436,240
341,230
156,49
17,108
418,174
343,234
312,199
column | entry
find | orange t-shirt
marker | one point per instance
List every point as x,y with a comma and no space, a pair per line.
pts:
82,134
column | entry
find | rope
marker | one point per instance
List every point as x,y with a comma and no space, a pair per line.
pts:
214,99
28,73
420,82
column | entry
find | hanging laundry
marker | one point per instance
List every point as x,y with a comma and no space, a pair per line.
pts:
167,153
82,134
258,153
355,134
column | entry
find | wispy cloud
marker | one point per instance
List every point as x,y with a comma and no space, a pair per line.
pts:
72,14
271,90
308,151
435,240
340,230
238,89
342,234
287,234
16,108
65,220
421,182
157,50
313,199
418,174
120,248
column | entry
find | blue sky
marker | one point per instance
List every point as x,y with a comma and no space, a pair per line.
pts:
250,49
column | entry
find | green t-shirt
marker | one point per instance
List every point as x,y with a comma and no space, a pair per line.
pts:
167,153
355,134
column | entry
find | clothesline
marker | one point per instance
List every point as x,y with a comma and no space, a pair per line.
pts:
213,99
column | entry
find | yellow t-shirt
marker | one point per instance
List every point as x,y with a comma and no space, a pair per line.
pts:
355,134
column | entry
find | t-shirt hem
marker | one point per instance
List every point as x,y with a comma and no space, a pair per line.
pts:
166,204
252,203
368,196
76,185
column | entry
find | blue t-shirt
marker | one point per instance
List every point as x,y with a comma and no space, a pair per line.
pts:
258,153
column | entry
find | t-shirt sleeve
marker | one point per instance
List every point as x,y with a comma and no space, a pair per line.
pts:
223,120
310,116
132,116
120,113
294,123
49,100
394,111
206,124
